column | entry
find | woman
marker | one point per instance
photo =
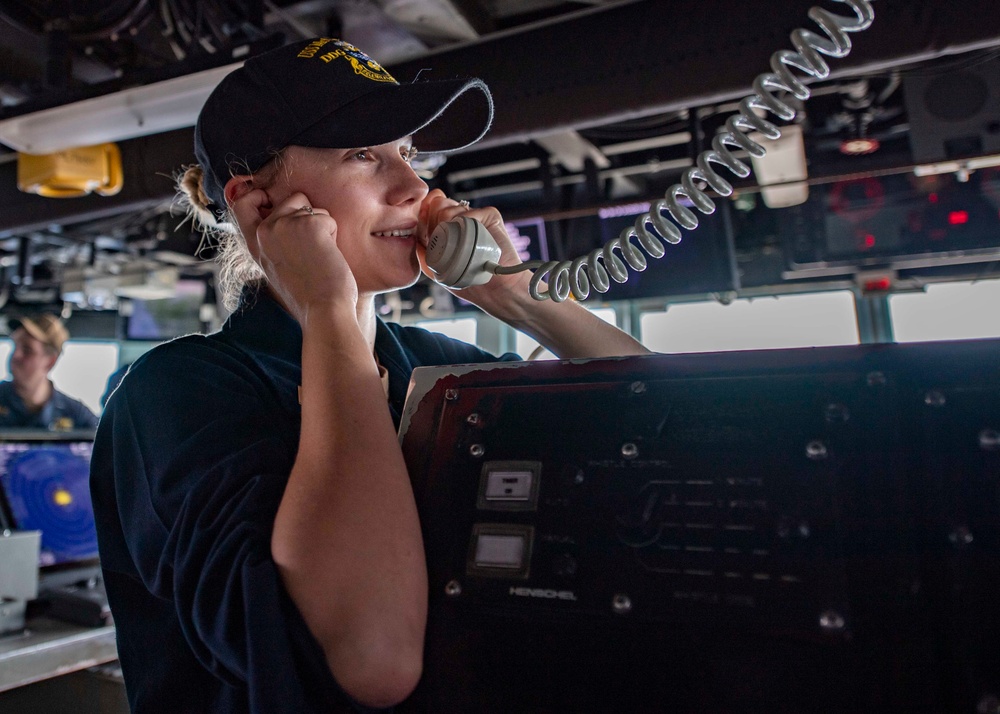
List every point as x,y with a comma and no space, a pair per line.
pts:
258,531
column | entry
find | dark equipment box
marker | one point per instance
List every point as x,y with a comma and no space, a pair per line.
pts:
809,530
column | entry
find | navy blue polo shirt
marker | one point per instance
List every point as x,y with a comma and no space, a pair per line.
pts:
190,463
61,412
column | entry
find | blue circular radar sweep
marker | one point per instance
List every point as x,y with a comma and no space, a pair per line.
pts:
52,485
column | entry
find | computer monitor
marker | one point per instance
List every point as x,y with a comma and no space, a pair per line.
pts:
45,486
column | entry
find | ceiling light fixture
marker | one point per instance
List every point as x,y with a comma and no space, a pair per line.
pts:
137,111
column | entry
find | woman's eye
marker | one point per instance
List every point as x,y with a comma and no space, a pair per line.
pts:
360,155
408,153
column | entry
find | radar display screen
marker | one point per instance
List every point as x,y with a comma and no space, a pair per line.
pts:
46,487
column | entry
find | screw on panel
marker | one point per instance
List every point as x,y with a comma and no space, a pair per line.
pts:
960,536
621,604
451,394
472,418
453,588
836,413
816,450
935,398
832,621
875,379
476,450
630,450
637,387
989,440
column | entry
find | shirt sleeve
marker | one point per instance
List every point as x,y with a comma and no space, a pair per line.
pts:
202,450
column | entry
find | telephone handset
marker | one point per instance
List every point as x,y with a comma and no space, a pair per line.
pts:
471,264
461,252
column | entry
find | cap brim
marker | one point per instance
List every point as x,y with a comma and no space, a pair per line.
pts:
444,115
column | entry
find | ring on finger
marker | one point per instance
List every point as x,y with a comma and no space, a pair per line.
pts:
308,209
463,203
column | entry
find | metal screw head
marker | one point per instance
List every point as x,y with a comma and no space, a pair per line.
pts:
816,450
960,536
935,398
451,394
621,604
630,450
453,588
637,387
836,413
832,621
875,379
476,450
989,440
472,418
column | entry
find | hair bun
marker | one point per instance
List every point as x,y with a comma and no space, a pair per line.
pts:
190,189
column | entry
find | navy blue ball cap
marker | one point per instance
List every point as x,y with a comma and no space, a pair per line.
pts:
327,93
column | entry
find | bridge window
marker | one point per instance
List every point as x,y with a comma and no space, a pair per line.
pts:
806,320
947,311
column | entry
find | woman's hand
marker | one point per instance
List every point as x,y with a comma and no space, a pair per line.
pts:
438,208
296,246
566,328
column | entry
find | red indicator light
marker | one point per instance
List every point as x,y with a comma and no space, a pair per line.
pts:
957,218
932,197
877,285
869,241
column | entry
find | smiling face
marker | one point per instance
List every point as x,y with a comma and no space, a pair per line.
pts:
374,196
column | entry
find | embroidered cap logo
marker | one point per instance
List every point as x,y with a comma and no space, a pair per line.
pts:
362,63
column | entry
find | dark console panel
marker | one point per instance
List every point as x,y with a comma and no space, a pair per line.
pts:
778,531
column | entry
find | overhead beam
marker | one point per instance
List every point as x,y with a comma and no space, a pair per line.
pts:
640,58
624,61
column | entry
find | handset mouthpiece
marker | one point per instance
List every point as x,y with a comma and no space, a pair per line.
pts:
461,253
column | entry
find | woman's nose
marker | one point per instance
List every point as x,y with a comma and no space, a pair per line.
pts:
408,187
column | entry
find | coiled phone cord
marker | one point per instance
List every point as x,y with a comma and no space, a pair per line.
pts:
595,268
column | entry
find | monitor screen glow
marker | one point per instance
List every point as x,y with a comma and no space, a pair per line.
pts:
46,487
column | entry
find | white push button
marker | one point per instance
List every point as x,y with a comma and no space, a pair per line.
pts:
499,551
508,485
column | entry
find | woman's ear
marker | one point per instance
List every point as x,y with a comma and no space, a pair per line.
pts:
237,187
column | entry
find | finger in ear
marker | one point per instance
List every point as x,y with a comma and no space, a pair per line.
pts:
237,187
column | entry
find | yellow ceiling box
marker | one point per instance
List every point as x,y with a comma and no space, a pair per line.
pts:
73,172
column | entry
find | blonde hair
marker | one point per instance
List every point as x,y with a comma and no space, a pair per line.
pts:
237,268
